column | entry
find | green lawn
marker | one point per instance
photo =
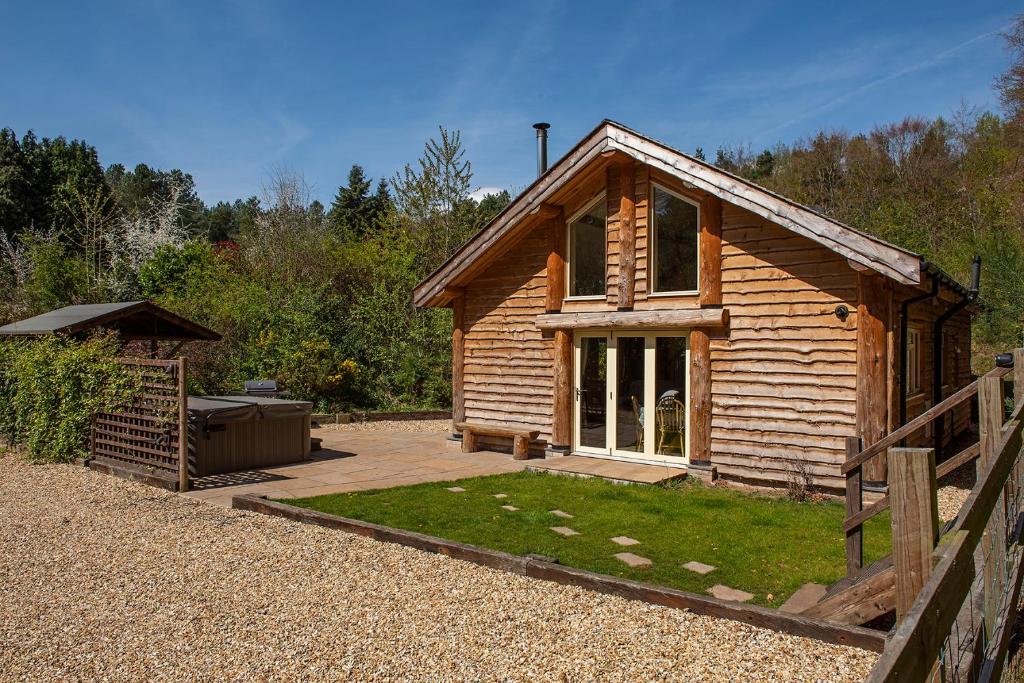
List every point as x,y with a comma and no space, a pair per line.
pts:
761,544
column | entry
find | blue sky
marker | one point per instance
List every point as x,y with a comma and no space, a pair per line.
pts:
229,91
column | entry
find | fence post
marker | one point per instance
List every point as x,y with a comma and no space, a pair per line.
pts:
993,543
854,504
915,521
182,425
1018,375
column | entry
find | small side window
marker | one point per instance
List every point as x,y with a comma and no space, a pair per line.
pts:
913,361
587,246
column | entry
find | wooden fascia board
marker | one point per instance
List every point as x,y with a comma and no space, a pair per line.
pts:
902,266
430,291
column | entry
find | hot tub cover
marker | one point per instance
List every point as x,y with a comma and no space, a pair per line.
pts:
211,410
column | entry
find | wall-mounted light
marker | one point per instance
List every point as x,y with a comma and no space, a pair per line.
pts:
842,312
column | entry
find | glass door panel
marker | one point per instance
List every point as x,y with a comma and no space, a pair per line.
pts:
670,392
591,392
629,393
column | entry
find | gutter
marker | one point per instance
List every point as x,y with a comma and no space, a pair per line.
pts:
969,297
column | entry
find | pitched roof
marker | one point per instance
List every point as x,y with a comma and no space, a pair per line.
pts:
868,251
132,319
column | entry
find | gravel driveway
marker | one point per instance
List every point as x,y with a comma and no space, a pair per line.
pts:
103,578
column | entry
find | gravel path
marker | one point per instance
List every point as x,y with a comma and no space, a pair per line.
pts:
105,579
393,426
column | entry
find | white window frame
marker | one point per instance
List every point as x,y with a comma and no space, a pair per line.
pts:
568,251
913,363
652,241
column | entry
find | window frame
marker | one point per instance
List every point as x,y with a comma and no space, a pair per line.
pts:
602,197
652,241
914,365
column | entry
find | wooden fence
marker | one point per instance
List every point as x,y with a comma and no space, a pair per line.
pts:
147,431
957,596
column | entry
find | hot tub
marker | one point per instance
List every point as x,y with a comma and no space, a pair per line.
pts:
233,433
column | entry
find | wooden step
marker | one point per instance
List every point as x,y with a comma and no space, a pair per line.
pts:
858,599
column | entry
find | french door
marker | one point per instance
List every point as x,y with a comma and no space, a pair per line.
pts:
631,398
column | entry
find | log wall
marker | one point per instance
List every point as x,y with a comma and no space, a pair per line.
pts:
508,370
784,380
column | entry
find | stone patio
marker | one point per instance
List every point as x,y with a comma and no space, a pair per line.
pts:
359,461
613,470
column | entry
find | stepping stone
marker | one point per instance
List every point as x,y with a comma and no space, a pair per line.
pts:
565,531
456,489
699,567
625,540
499,496
510,508
805,596
725,593
634,560
563,515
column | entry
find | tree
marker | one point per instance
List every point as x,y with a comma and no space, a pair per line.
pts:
1011,83
355,213
433,199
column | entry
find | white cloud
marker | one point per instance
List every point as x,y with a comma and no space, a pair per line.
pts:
482,192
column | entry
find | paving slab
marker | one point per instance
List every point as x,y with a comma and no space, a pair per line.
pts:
699,567
455,489
563,515
499,496
634,560
565,531
732,594
510,508
607,469
625,540
805,596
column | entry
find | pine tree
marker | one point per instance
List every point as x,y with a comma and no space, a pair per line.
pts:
352,213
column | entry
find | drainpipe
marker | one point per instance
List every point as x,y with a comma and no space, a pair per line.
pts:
937,351
904,353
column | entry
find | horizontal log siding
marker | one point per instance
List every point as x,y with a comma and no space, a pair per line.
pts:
509,365
784,377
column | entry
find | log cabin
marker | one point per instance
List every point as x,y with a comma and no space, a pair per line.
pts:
637,303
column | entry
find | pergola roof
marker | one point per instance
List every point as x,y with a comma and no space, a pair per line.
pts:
133,320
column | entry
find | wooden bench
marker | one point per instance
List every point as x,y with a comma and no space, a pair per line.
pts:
520,436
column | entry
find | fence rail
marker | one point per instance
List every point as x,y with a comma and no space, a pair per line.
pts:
146,431
957,601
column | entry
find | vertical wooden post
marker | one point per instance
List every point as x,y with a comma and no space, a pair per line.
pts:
993,543
183,431
854,504
872,367
561,418
627,234
458,360
709,294
915,521
1018,376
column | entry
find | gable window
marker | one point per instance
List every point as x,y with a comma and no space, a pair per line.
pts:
587,245
675,228
913,361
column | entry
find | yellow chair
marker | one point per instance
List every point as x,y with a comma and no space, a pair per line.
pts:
671,419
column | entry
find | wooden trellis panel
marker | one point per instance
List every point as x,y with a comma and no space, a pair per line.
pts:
146,432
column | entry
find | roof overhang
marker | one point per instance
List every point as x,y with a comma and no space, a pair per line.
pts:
612,139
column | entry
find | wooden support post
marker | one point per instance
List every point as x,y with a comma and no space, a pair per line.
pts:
993,543
710,295
561,419
627,234
561,425
183,431
854,504
915,521
872,366
458,360
1018,376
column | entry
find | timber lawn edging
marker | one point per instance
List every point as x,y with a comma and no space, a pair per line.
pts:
533,567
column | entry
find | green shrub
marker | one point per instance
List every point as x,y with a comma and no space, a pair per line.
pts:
49,388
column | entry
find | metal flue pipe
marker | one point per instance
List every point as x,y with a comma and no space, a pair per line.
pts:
542,147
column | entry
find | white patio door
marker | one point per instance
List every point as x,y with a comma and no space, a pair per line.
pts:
631,398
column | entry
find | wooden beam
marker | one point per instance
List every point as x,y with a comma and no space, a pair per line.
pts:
555,272
990,428
616,156
667,318
872,367
547,211
710,252
561,425
915,521
700,396
627,234
183,424
458,360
